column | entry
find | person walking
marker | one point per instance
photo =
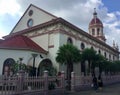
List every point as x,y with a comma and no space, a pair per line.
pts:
95,83
100,83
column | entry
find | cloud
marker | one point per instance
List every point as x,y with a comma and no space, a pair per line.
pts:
9,7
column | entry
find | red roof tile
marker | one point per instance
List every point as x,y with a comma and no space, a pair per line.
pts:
95,21
21,42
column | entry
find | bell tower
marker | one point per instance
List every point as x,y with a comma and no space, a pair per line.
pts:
96,27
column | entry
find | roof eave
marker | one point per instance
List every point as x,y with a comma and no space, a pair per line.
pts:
28,49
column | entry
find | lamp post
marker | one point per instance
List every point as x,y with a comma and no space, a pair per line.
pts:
34,71
20,59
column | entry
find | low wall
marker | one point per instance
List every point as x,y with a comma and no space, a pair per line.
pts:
79,83
22,85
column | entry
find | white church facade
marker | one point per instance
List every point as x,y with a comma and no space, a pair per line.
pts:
39,34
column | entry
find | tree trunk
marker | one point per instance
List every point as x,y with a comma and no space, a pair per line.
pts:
69,70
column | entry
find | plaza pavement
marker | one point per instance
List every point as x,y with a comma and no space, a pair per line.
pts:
107,90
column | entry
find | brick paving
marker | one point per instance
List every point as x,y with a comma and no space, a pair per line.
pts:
108,90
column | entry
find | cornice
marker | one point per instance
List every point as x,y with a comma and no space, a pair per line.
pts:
67,24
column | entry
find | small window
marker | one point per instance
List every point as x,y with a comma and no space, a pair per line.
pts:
82,46
30,13
30,23
69,41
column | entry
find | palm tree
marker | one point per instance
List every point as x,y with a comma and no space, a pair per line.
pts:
100,60
68,54
89,54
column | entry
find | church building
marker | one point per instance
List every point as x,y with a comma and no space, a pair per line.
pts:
38,35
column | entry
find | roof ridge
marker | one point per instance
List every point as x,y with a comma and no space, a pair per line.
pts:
43,10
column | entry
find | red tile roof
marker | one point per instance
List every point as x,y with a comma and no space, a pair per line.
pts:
21,42
95,21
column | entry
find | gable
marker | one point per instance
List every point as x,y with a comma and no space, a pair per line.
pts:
32,17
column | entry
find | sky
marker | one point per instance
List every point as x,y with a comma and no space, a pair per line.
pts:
77,12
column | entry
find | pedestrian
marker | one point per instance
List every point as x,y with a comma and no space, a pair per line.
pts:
95,83
100,83
58,79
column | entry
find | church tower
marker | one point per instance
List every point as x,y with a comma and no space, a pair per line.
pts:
96,27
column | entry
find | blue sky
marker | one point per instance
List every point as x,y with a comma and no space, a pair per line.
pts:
112,5
77,12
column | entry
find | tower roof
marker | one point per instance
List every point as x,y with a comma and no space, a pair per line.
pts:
95,21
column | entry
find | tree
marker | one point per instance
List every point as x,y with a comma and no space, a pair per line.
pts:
16,67
100,60
68,54
89,54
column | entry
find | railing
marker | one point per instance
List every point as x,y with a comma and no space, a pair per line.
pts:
83,82
23,85
44,85
8,85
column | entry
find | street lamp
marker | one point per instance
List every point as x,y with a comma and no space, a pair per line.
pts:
20,59
34,71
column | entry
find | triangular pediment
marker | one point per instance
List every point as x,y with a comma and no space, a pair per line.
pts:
33,16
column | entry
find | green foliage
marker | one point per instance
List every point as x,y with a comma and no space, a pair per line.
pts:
67,54
89,54
51,71
15,67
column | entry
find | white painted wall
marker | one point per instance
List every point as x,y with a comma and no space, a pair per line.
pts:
14,54
42,41
38,18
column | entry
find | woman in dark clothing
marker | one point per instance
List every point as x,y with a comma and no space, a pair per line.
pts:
100,83
95,83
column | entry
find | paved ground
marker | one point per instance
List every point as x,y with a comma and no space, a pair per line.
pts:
108,90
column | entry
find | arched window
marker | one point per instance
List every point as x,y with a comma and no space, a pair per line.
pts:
105,54
113,58
69,41
99,52
93,31
82,46
92,47
45,64
98,31
109,57
7,66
